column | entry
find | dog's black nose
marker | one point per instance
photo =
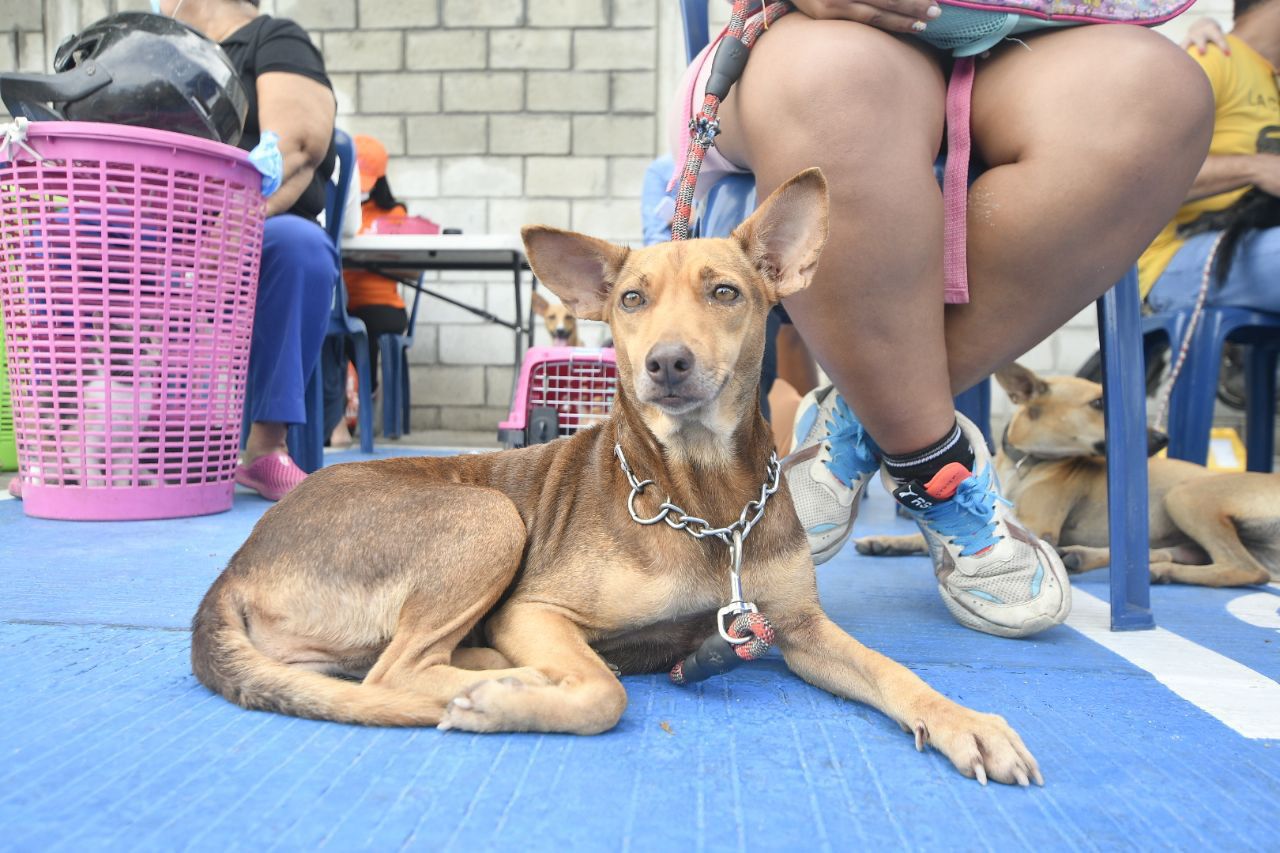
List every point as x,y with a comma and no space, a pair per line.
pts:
669,364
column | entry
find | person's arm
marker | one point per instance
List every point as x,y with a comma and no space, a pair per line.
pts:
1203,33
301,111
1225,172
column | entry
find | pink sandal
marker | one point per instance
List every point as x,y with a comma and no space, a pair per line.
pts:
273,476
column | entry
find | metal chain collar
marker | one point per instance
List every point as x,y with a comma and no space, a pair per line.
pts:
700,528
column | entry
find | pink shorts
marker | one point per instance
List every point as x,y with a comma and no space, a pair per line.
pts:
688,101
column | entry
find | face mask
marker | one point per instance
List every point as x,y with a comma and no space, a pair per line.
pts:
155,8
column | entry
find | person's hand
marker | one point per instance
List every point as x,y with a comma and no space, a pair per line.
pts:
895,16
1266,173
1204,32
266,158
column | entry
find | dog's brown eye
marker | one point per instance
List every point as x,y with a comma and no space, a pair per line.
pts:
725,293
632,299
1096,403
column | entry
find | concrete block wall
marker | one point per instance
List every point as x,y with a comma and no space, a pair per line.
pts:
498,113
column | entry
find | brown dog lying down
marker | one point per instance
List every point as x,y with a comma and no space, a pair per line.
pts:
1206,528
378,571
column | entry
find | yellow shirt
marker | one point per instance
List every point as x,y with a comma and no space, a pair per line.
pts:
1246,112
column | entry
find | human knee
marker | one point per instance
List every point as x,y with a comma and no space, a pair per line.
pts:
296,249
1161,88
853,82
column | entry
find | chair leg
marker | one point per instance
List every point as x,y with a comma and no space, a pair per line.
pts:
975,404
1260,423
389,353
1192,401
405,409
364,418
306,441
1125,398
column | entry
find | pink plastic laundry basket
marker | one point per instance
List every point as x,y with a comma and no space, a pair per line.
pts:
560,391
128,270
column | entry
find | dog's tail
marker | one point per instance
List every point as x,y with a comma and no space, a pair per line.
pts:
226,661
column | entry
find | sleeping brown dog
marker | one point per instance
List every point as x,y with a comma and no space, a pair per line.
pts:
495,587
1208,528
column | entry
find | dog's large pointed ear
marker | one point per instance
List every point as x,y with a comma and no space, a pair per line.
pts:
579,269
785,236
539,305
1020,383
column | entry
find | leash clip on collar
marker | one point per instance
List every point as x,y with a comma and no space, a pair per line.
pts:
726,615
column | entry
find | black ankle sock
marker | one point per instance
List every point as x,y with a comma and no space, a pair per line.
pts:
924,463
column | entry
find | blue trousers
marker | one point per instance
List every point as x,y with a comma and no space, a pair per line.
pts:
295,294
1254,281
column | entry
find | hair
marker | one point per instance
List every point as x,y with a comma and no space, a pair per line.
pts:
380,194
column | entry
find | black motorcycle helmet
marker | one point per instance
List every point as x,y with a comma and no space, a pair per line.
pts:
137,69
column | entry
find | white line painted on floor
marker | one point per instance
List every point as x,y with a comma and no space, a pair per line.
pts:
1261,609
1241,698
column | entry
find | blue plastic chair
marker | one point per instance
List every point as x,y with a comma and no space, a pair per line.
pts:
306,441
731,199
394,352
1192,402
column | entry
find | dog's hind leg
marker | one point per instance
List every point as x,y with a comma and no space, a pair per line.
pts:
474,657
1214,530
454,582
585,696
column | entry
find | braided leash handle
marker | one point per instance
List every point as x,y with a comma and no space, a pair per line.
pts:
716,656
726,68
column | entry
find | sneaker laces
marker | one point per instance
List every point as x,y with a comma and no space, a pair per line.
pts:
852,453
968,518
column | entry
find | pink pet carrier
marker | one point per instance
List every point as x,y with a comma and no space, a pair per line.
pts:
128,270
560,391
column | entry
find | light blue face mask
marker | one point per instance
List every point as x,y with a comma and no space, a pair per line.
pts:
155,8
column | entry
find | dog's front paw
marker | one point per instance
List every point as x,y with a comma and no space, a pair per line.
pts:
1081,558
891,546
981,746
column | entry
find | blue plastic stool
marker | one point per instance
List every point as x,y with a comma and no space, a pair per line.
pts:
732,199
1192,401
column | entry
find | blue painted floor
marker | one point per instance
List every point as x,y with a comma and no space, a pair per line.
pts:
108,742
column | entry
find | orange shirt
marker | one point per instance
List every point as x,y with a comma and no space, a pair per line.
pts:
369,288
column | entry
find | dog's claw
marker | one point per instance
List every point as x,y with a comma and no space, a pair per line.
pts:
980,772
511,681
1021,776
443,726
1036,775
922,735
462,703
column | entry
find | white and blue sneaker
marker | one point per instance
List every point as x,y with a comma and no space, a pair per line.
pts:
994,575
832,460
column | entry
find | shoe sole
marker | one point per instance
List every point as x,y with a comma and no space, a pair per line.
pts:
1034,625
826,553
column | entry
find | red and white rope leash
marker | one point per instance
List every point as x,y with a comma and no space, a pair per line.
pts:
730,59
